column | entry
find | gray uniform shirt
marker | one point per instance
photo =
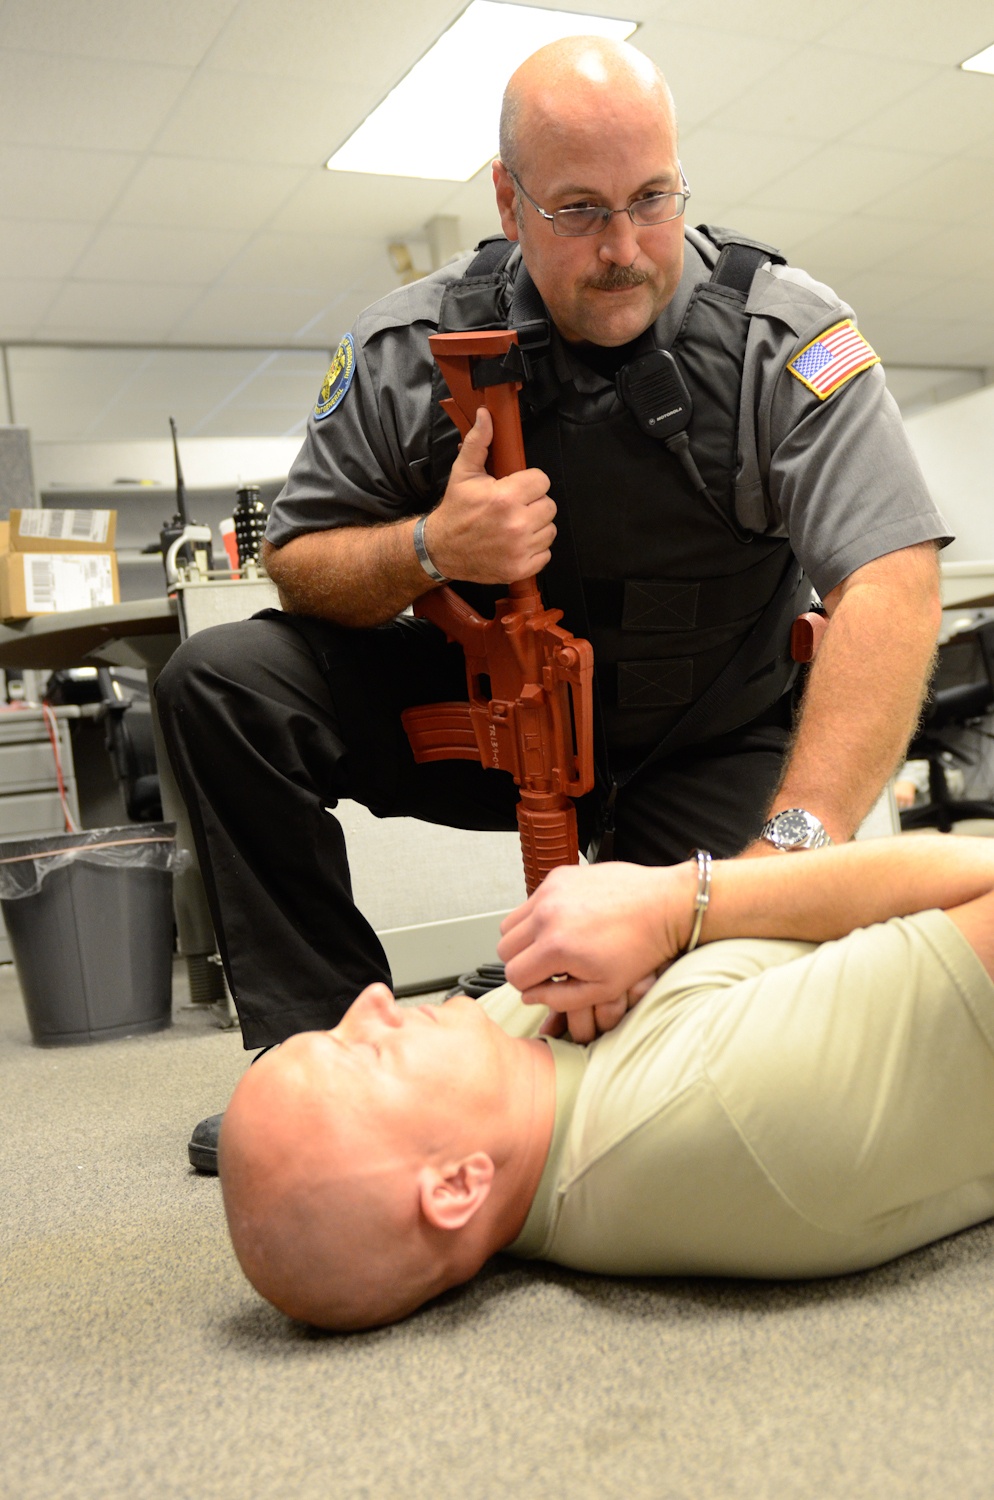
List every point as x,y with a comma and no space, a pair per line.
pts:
835,475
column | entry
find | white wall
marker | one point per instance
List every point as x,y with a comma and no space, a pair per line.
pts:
955,447
208,463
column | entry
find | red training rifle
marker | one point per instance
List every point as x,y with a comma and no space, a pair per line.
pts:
535,718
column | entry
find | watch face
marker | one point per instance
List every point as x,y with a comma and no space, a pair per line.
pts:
793,827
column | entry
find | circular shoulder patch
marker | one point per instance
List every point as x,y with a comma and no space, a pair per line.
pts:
337,380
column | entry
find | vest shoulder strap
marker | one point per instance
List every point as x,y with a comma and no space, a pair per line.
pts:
740,257
492,254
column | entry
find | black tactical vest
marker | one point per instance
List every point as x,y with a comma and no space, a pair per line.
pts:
662,580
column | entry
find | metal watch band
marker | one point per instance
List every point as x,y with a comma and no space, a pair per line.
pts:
795,829
422,551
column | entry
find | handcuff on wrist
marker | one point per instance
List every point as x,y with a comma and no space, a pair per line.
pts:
702,898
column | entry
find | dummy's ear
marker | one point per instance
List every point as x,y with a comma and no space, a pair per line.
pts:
452,1194
506,194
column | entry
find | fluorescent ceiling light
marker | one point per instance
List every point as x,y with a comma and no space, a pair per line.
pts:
441,120
981,62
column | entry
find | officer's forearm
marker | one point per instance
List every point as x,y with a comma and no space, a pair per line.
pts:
865,690
358,576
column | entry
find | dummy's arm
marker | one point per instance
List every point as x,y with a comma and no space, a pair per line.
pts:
865,690
483,530
610,925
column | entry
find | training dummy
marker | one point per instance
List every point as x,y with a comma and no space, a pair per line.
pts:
809,1092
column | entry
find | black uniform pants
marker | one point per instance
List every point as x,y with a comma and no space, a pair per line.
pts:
271,720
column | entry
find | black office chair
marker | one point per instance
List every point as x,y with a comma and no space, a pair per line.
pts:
959,700
126,713
127,716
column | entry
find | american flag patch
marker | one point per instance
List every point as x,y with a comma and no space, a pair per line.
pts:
833,358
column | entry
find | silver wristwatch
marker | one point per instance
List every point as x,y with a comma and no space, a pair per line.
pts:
795,829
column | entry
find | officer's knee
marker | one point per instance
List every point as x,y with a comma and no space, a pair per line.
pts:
231,653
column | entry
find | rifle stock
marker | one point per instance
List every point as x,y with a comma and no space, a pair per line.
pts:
529,681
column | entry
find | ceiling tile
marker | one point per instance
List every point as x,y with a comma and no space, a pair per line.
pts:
980,150
705,69
947,114
958,299
354,202
918,388
123,252
109,309
941,254
181,191
270,315
732,164
47,182
763,18
32,250
295,261
783,227
81,102
884,293
336,320
472,204
221,115
848,176
819,92
953,191
23,304
854,242
922,340
179,32
334,45
919,30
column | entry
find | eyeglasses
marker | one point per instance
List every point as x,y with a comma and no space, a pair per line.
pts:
655,208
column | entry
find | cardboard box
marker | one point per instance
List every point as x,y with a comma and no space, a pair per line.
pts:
62,530
45,583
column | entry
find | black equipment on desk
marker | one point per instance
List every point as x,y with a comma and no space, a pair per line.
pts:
249,516
181,520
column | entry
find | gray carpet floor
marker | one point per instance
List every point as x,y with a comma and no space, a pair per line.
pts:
135,1361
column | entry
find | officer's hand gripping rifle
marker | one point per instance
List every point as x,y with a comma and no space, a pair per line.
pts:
530,683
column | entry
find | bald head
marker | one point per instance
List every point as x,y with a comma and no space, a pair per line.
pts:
357,1164
575,79
323,1208
589,123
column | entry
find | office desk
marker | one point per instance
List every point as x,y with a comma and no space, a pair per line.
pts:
143,633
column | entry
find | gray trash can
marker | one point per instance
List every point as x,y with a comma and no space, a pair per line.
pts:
90,921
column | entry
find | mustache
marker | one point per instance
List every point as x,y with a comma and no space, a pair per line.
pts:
619,278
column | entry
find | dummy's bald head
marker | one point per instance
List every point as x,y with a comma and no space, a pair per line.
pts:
357,1164
325,1219
584,76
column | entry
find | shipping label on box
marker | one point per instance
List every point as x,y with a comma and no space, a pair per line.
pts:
41,583
62,530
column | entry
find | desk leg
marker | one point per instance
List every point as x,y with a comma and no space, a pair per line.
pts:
194,928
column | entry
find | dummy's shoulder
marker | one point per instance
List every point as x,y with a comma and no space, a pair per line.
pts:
795,298
418,303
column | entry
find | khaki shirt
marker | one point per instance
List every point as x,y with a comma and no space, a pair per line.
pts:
775,1109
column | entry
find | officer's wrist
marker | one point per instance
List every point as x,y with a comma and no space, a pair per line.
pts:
422,553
